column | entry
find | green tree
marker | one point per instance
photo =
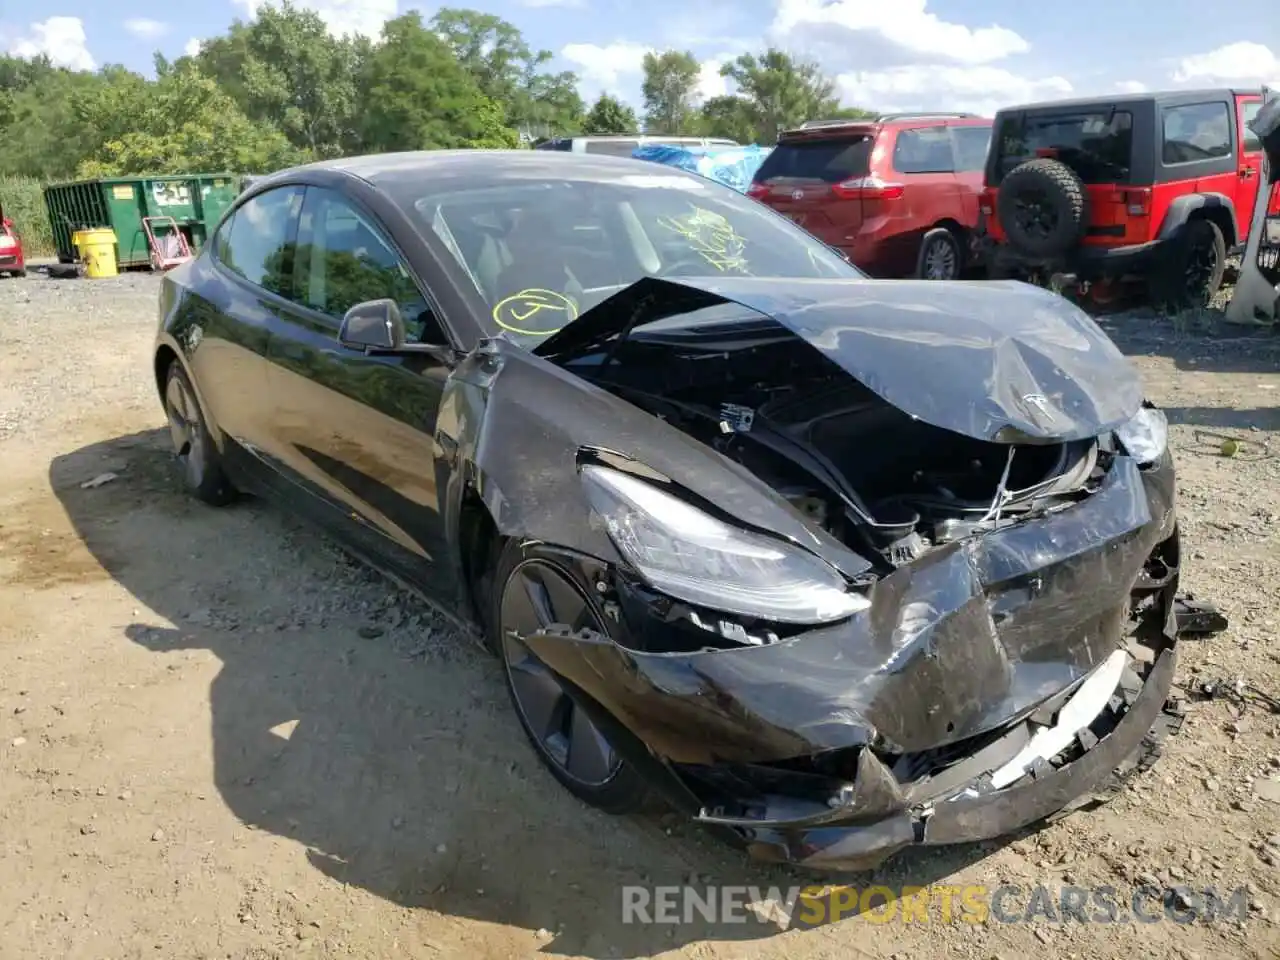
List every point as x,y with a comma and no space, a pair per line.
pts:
417,96
510,73
781,91
669,89
180,123
42,135
729,116
609,115
285,68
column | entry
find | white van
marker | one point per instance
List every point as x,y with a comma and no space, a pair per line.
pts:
624,146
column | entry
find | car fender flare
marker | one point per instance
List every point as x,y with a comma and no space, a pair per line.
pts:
1182,209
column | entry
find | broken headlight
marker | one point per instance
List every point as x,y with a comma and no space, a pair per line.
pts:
694,557
1146,436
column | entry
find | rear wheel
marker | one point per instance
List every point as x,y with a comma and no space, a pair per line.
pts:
940,256
531,593
197,456
1192,272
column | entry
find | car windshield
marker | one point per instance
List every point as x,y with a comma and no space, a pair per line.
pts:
1097,146
540,252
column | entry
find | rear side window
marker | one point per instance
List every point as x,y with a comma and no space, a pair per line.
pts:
1250,111
260,243
613,148
563,144
971,147
927,150
831,161
1098,146
1197,131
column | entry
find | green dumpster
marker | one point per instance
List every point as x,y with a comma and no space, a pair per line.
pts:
195,201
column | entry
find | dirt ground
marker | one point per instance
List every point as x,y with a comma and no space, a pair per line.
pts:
221,738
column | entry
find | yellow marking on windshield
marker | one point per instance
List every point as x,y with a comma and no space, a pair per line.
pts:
710,236
513,313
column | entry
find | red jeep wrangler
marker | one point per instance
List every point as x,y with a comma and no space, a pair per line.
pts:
1157,187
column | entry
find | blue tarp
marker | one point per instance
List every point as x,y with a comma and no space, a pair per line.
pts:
732,166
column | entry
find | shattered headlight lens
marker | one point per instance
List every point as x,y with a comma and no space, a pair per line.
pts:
694,557
1146,436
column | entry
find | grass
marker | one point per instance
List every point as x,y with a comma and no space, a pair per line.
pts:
23,203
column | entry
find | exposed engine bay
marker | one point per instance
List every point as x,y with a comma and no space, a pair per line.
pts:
883,482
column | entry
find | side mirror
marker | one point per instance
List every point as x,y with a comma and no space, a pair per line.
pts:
375,325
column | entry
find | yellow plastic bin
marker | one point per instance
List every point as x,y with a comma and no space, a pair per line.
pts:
97,248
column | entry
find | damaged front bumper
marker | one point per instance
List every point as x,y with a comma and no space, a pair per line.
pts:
838,746
844,839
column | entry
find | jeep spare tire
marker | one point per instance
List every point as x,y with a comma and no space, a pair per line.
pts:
1042,205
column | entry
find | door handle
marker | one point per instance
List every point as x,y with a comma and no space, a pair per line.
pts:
1247,173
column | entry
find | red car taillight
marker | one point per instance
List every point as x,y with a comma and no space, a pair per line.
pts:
758,191
987,202
1138,202
868,188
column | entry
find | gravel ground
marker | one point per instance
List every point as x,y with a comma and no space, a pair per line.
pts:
221,737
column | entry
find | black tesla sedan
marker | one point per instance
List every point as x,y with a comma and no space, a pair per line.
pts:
837,565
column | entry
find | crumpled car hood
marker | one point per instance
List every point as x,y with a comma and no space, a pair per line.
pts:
1001,361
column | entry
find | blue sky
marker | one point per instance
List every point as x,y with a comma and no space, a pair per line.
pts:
912,54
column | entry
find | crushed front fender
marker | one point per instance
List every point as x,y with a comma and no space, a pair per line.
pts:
954,645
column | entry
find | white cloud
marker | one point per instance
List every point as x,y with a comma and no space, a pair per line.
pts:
1242,63
192,47
1130,86
538,4
905,32
604,69
364,17
710,83
147,29
979,89
909,58
61,39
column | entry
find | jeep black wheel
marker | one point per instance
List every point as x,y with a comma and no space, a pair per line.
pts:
1042,205
1192,272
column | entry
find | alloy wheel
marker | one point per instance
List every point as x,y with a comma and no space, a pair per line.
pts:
1035,215
185,428
1201,264
940,262
536,596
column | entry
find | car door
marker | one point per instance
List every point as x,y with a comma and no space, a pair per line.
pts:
238,293
359,429
1250,170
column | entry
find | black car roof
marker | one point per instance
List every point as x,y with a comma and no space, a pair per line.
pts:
388,170
1121,99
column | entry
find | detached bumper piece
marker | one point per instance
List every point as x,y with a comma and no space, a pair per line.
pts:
1198,617
1082,745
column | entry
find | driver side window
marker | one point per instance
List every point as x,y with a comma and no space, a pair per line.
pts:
343,259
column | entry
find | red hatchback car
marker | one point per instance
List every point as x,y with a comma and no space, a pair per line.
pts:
897,195
12,260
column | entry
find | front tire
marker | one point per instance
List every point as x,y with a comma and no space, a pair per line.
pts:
530,593
198,458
